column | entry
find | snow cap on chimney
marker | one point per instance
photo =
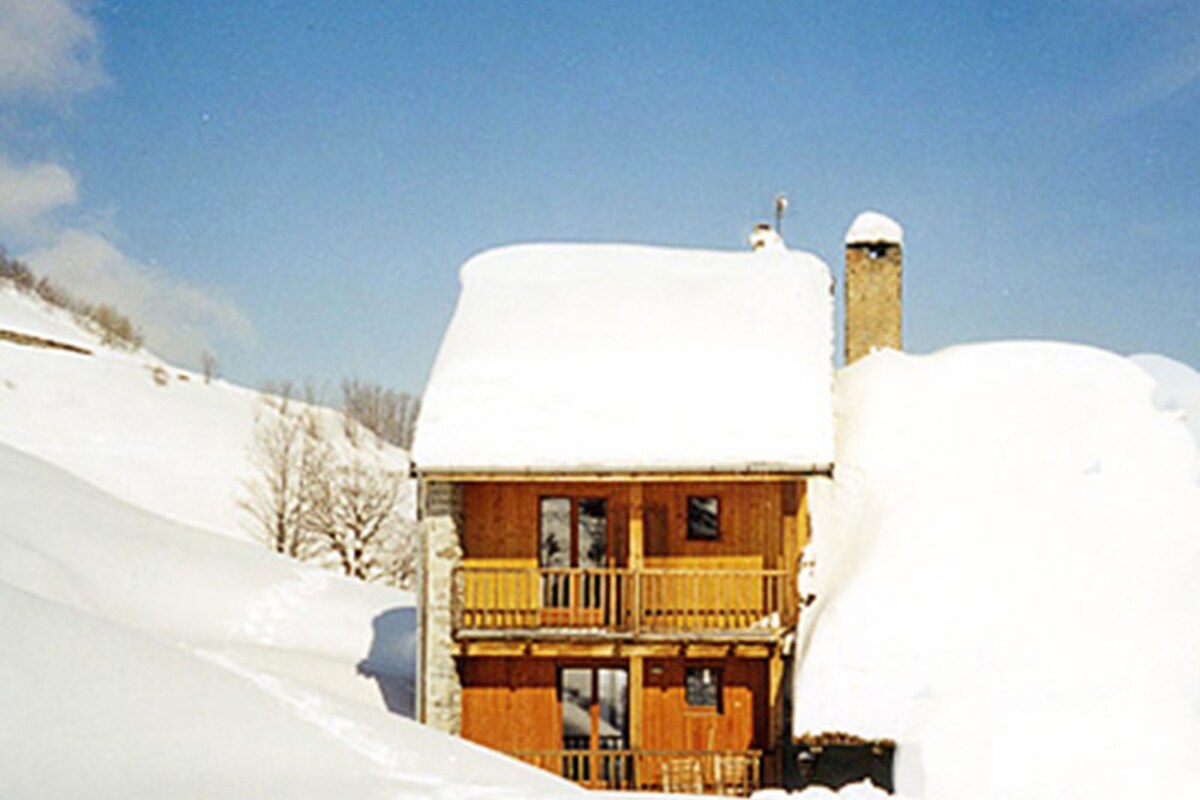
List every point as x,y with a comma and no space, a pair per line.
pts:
765,238
871,227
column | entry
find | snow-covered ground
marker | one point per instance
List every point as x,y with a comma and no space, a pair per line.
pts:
146,657
1008,573
176,445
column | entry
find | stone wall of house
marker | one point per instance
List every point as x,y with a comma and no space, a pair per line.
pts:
873,298
441,552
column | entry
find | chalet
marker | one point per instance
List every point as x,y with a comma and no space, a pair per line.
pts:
614,455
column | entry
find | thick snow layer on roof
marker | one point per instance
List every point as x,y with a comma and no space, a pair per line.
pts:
1008,572
871,227
618,357
143,658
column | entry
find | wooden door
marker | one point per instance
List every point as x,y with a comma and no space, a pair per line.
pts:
573,538
594,702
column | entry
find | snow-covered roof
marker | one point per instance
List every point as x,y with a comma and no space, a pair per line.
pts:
871,227
615,358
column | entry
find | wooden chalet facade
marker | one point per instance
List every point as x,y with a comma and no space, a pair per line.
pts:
622,618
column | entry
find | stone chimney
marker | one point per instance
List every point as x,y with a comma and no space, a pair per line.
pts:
874,255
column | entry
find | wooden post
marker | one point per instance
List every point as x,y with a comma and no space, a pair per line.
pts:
637,527
636,662
637,531
636,679
779,730
795,536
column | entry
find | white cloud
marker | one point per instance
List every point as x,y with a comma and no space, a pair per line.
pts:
29,192
47,47
180,320
1177,69
1163,39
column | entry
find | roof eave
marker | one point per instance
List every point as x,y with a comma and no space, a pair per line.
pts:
756,471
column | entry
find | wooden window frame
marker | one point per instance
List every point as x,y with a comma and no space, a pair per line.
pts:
594,668
573,521
687,513
716,708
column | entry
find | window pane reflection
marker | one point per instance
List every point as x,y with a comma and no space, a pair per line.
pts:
555,532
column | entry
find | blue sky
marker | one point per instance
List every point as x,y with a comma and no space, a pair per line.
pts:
294,185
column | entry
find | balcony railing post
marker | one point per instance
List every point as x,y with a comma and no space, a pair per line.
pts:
636,578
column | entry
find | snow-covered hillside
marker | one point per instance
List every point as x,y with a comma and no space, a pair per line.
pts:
147,432
145,657
1008,573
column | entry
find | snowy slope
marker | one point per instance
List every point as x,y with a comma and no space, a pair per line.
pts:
147,659
178,448
1008,572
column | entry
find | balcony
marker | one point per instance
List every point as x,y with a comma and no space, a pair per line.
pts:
720,772
629,603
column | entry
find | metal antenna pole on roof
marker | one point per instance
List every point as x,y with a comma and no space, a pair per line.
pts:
780,207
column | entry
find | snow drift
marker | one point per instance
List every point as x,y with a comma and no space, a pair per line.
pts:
147,659
1007,569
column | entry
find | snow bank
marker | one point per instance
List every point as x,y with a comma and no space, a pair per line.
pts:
1178,389
1007,572
615,357
26,314
147,659
864,790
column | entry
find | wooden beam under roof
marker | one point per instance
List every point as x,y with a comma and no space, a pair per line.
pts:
665,476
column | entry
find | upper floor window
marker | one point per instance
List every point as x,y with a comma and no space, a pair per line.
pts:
703,518
574,532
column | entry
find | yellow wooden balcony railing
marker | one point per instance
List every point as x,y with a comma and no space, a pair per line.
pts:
721,772
664,601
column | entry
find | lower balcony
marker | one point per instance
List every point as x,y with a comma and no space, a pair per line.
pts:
625,602
720,772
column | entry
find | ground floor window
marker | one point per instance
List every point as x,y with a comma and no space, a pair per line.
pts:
595,722
702,687
595,708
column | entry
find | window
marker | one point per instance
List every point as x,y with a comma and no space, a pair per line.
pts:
573,536
573,532
703,518
702,687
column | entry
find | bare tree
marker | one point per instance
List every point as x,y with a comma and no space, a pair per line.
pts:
389,414
208,365
355,517
333,503
290,462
